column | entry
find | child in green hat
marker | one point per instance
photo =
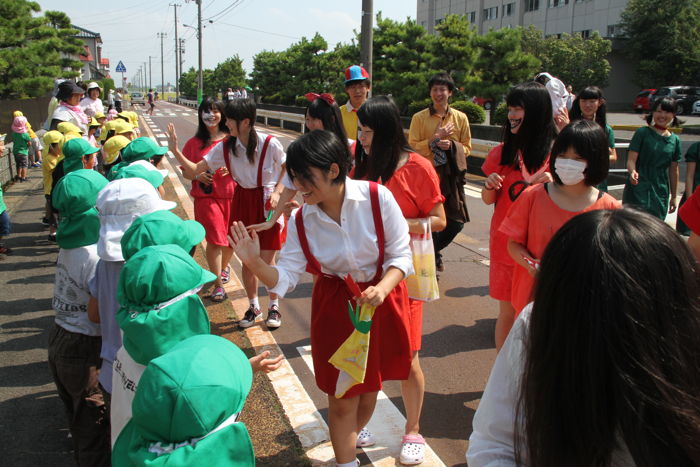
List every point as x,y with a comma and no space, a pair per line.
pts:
74,342
174,420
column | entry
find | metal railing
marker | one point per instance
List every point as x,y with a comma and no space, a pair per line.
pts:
7,166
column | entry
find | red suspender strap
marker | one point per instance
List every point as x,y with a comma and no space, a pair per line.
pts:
262,159
378,226
312,265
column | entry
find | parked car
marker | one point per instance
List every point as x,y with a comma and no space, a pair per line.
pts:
696,108
138,98
684,95
485,102
642,101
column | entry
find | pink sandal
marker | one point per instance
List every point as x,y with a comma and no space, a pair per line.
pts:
412,449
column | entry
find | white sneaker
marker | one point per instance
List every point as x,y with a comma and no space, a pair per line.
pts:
365,438
274,318
412,450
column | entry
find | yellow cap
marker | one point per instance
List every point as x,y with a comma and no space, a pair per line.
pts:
99,115
133,118
105,129
113,146
68,127
17,113
71,135
52,137
120,127
94,122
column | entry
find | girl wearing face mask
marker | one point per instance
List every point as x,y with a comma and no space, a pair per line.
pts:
212,193
580,160
521,160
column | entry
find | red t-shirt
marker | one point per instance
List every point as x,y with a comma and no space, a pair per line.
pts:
416,187
532,221
690,212
223,185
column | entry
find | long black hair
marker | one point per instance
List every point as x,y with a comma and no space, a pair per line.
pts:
238,110
611,352
537,131
590,92
320,149
330,116
389,141
209,103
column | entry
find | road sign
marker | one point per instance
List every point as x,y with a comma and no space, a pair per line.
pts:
120,67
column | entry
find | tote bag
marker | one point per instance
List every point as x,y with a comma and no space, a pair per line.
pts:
423,284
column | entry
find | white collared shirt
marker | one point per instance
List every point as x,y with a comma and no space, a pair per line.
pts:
350,247
242,171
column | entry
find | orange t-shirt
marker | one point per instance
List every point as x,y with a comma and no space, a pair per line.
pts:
532,221
416,187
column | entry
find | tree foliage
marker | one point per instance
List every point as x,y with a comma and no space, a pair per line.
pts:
227,74
571,58
31,49
663,39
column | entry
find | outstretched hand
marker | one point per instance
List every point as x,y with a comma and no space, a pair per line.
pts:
244,244
172,137
261,362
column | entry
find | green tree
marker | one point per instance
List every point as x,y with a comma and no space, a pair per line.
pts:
34,49
574,60
188,83
267,77
501,63
663,39
454,50
228,74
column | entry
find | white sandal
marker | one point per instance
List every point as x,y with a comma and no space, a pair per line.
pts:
365,438
412,449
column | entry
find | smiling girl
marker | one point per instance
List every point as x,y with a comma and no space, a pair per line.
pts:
520,161
579,161
652,162
256,162
339,231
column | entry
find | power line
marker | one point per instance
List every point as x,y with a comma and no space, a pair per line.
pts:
227,9
258,30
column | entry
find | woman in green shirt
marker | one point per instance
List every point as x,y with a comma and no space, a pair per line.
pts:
652,162
590,105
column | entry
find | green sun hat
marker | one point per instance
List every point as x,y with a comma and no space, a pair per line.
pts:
75,196
161,228
157,291
154,177
142,148
73,151
185,409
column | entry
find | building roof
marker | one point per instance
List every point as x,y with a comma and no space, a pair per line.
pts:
104,61
86,34
86,56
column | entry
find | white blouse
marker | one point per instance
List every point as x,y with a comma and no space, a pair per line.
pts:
245,173
350,247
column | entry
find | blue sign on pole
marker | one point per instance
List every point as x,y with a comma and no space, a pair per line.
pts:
120,67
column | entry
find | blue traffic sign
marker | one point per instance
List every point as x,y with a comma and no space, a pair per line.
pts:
120,67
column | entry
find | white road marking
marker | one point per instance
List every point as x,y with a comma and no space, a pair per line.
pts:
387,425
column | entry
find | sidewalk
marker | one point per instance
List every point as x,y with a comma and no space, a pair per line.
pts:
32,420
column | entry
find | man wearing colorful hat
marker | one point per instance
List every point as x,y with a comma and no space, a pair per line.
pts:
119,204
74,341
357,87
160,307
175,419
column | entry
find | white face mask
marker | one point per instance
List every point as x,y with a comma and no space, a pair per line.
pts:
570,171
209,119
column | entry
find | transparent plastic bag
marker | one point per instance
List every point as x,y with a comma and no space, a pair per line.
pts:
423,284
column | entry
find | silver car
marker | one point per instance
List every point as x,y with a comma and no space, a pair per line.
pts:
138,98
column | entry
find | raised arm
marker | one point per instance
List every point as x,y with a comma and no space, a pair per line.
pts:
189,169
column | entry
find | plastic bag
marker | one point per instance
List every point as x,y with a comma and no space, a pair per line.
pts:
423,284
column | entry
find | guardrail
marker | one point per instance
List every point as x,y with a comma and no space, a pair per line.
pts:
7,166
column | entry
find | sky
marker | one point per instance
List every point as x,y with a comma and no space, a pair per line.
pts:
129,28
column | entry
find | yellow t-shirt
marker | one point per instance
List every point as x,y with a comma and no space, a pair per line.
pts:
349,114
49,163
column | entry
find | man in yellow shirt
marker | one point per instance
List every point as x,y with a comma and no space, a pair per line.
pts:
441,134
357,87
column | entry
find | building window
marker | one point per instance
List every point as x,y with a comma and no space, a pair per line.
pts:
508,9
532,5
614,30
471,16
586,33
557,3
490,13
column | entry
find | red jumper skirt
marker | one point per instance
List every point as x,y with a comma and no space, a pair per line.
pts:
249,206
389,356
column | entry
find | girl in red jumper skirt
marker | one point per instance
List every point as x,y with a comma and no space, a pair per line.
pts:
345,227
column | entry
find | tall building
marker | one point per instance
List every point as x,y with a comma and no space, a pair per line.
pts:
553,17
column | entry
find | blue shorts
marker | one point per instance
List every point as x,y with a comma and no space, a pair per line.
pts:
5,224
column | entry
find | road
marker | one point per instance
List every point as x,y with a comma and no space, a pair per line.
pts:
458,349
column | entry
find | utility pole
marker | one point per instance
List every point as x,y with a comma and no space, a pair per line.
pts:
200,81
366,36
182,51
177,81
150,72
145,69
162,35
